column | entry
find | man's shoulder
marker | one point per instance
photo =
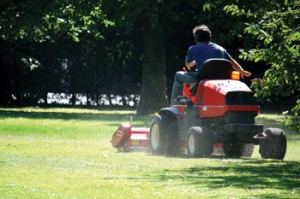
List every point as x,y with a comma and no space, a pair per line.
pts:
206,46
192,48
216,46
198,46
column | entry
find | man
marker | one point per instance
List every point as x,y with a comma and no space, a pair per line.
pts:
203,49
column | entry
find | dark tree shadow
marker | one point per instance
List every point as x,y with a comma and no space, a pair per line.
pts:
114,118
248,174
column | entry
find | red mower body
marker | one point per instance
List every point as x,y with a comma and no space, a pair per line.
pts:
220,115
212,101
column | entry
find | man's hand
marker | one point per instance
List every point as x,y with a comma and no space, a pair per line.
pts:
245,74
237,67
191,64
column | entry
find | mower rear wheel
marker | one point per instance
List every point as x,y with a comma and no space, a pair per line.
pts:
275,144
238,149
199,143
164,138
172,137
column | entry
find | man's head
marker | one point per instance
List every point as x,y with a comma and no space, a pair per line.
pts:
202,33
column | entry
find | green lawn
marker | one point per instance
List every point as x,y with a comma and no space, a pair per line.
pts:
66,153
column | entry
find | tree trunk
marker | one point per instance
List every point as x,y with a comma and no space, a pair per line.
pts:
153,91
73,99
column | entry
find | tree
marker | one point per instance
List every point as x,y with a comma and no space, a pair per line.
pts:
153,91
24,24
275,26
147,40
144,19
40,21
156,24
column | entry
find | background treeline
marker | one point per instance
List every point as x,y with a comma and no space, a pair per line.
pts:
31,70
131,49
42,53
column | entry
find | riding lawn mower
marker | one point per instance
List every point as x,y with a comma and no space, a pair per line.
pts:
216,114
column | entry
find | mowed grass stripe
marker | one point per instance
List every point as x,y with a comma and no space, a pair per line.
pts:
57,157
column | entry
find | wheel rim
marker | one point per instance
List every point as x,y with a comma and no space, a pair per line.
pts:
155,136
192,142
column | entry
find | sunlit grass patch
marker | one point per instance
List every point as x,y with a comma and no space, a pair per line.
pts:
66,153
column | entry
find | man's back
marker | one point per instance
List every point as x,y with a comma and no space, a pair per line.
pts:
203,51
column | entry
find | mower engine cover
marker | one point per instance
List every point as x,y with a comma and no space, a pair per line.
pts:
214,92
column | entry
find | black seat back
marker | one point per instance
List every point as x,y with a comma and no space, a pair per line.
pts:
215,69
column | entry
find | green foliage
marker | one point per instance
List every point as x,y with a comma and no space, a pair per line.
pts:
293,121
275,26
92,46
48,21
62,46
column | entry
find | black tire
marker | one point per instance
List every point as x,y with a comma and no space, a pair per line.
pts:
172,136
199,143
157,141
238,149
275,144
164,138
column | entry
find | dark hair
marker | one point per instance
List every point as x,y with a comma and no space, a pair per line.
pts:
202,33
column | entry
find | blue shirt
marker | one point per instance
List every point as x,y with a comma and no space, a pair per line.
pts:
203,51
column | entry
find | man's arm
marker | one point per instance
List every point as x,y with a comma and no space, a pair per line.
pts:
237,67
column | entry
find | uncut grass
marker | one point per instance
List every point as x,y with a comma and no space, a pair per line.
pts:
67,156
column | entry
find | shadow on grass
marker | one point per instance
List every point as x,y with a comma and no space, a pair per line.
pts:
248,174
67,116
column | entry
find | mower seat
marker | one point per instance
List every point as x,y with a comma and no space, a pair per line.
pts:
215,69
212,69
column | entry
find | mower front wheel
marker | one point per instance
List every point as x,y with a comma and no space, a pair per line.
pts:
199,143
157,141
275,144
164,138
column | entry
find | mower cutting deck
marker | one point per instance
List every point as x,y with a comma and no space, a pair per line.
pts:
128,138
131,139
